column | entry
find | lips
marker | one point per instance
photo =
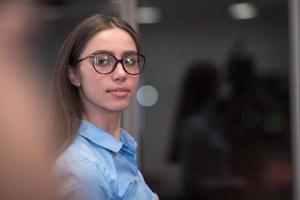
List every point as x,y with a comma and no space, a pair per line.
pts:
119,92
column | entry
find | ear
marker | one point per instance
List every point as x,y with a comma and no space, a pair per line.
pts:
74,77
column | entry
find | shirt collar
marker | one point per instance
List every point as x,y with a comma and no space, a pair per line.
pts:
128,140
102,138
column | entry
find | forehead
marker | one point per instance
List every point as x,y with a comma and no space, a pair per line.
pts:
115,40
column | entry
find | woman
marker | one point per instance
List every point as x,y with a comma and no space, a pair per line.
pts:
94,79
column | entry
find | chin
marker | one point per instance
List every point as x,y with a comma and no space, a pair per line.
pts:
119,108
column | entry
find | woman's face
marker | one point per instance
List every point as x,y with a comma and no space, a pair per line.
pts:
105,92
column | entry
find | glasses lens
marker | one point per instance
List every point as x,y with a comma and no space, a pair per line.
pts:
103,63
133,64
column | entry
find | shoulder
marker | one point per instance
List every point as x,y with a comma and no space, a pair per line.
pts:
83,180
83,157
79,149
80,172
78,160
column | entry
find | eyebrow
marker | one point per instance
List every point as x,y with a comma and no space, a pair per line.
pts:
112,53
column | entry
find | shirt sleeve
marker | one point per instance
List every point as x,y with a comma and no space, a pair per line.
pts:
82,180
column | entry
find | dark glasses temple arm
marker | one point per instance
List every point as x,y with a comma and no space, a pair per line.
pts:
78,61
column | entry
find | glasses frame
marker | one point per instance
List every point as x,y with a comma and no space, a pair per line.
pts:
92,55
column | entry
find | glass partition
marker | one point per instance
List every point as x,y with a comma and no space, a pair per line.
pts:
220,128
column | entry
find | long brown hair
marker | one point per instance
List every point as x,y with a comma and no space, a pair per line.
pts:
66,104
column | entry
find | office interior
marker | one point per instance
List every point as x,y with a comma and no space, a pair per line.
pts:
216,111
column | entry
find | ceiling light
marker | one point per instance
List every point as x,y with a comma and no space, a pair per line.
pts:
243,11
148,15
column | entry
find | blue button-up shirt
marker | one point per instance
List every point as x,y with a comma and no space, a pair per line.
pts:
98,166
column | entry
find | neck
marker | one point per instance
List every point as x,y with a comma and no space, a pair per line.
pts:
109,122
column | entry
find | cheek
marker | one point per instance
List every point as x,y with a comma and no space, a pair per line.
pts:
94,85
135,81
90,84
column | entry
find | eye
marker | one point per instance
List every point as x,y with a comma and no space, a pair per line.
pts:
130,61
101,61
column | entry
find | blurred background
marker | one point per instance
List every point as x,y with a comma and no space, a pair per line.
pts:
212,114
220,128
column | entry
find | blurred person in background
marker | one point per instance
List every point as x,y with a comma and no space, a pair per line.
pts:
257,128
25,154
95,77
198,137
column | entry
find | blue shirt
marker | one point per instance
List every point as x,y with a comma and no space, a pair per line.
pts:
98,166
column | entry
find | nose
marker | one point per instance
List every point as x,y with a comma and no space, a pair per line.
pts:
119,74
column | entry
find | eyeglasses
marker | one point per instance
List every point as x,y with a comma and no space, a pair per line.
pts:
106,63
